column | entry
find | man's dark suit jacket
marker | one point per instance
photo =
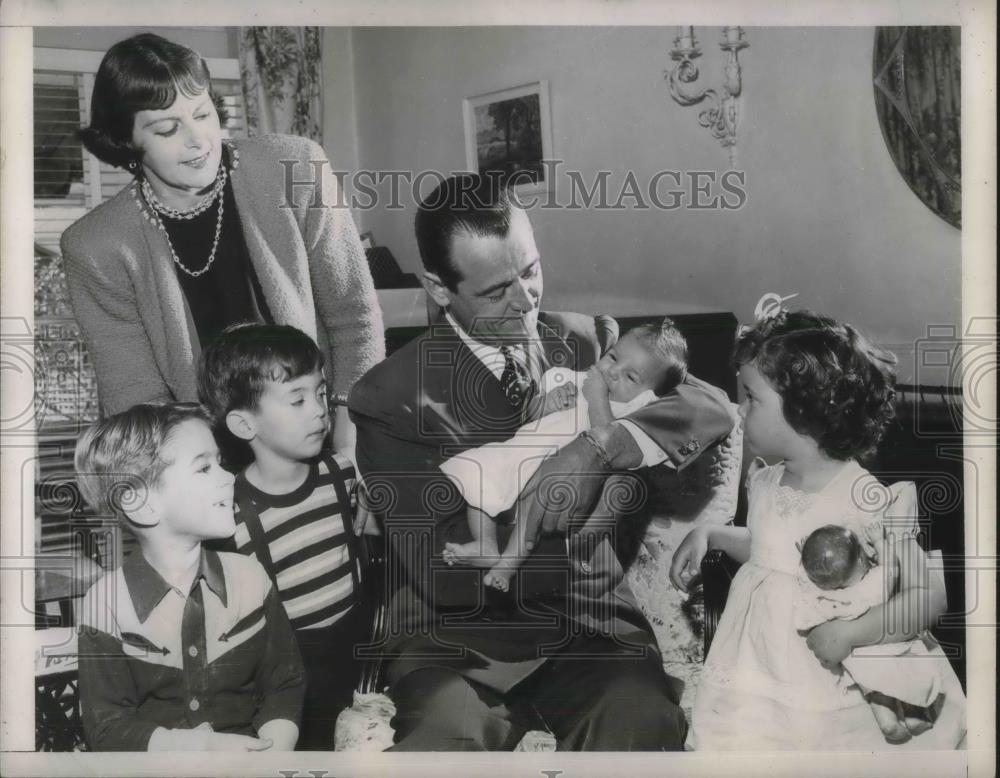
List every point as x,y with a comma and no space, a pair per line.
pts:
434,398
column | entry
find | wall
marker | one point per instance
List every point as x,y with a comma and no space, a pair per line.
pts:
340,127
827,215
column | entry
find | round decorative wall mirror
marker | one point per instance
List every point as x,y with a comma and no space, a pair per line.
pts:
917,75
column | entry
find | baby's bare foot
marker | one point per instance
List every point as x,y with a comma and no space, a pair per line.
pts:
915,724
890,722
477,553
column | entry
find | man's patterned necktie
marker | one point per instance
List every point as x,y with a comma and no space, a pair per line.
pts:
515,381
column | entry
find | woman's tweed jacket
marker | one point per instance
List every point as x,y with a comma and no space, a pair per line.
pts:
307,255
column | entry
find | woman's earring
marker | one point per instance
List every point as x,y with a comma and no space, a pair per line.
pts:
234,154
132,165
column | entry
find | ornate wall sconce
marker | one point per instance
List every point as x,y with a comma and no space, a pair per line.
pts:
721,112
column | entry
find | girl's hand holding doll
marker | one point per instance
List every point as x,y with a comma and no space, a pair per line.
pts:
831,642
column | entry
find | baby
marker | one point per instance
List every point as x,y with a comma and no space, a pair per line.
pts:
647,362
842,582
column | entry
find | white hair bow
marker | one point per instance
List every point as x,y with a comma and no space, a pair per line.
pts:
769,305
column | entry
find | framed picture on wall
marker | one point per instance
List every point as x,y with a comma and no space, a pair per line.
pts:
510,132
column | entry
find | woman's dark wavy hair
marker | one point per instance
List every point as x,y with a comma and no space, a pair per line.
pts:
835,385
141,73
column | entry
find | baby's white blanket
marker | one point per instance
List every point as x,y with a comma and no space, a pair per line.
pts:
491,477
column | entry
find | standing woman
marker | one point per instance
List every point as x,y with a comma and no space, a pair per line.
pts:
209,233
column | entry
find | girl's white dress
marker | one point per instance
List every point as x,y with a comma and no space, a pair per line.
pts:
762,688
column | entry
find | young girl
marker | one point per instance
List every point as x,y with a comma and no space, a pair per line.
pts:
818,397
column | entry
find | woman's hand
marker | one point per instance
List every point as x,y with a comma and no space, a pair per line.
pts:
831,642
686,563
344,433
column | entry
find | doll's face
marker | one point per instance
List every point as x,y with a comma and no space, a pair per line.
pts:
831,560
856,574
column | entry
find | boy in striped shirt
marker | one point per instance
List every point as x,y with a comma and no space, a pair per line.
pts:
264,384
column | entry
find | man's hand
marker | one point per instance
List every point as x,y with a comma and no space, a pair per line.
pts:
570,481
830,642
564,483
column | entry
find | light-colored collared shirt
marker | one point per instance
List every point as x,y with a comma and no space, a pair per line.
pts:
493,360
490,356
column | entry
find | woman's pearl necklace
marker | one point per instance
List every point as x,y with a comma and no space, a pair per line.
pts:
157,208
200,207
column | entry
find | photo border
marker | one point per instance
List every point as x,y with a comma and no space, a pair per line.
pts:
979,303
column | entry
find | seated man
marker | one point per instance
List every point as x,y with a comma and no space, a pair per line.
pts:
565,648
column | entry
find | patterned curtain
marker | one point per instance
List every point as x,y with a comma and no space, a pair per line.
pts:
280,71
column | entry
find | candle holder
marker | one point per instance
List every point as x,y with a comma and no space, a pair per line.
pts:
720,111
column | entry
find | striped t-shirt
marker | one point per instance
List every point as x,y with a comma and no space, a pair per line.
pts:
309,552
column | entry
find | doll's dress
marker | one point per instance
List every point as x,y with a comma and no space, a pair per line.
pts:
762,688
913,671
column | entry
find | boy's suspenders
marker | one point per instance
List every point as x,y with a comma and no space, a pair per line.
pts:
248,514
347,516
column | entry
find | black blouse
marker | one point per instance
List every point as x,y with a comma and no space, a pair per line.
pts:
229,292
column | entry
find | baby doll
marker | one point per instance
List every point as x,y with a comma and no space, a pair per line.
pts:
842,580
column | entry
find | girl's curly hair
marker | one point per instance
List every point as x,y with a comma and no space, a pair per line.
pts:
835,385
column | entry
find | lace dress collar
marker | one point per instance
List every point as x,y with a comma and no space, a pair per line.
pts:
789,501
